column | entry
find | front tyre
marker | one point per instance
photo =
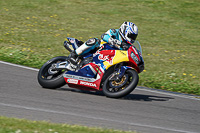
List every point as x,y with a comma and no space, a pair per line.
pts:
117,89
50,78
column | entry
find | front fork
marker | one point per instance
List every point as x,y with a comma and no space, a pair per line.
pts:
119,72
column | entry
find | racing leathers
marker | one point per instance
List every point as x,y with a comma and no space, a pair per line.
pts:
113,37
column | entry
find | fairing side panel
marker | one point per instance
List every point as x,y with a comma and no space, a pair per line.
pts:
89,76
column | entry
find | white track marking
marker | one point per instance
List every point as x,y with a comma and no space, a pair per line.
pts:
154,91
93,117
11,64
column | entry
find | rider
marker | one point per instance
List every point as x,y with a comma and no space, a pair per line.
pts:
121,38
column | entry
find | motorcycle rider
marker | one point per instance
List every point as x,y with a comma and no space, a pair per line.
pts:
121,38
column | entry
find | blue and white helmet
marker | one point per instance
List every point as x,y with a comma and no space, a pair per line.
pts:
129,32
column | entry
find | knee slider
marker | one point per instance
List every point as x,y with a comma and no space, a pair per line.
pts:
92,41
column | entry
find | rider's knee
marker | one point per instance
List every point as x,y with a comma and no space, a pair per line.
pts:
92,41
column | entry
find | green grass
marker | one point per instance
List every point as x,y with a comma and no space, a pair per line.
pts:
13,125
31,32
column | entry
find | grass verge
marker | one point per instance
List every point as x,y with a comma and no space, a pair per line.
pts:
13,125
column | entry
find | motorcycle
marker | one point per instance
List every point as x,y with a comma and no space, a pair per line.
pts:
113,71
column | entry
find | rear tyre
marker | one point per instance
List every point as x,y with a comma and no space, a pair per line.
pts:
49,78
118,89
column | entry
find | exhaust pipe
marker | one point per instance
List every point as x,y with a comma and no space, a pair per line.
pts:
67,46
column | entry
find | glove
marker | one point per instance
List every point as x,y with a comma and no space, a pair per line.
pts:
114,42
125,46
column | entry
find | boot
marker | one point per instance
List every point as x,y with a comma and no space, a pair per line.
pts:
73,58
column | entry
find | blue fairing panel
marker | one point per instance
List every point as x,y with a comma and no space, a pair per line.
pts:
84,72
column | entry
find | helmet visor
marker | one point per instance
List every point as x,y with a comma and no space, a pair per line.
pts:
132,37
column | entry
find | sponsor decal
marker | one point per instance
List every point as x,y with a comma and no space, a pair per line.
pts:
79,78
88,84
103,57
73,81
107,55
98,70
122,52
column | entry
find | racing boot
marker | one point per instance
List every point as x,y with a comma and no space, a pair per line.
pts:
73,58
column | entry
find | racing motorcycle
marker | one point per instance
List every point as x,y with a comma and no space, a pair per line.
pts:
113,71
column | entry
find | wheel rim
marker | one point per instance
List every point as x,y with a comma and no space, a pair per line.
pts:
114,86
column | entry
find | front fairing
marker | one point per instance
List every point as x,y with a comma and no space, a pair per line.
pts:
108,56
137,45
136,55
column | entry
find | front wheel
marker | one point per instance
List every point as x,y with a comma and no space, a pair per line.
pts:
117,89
50,78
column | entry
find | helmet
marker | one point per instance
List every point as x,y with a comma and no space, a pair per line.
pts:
128,32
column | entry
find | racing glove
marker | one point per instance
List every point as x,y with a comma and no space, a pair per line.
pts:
125,46
114,42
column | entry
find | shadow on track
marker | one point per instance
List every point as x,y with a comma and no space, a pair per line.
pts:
141,97
134,97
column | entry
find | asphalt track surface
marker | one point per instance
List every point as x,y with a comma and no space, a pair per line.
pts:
144,110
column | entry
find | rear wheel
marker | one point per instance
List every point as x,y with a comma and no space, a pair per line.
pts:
50,78
122,87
